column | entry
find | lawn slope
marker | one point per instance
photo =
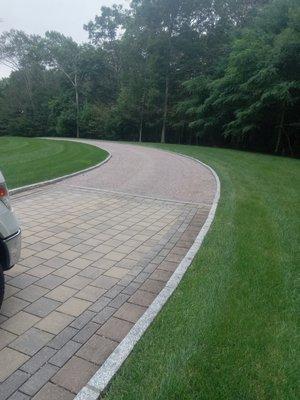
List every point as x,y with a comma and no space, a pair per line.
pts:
229,331
25,160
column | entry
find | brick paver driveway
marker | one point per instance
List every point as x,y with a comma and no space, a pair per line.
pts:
97,249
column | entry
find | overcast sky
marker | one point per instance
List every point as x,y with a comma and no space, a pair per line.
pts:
39,16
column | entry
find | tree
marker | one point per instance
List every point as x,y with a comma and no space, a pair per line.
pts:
64,55
254,103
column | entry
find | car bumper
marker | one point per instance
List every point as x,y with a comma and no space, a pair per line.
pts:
13,246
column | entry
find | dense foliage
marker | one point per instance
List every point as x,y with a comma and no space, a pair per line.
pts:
213,72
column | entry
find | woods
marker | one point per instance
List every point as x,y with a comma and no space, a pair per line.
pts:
219,73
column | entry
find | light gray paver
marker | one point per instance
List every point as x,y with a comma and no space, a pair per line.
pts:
88,271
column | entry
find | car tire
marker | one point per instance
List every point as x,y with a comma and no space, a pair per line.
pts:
1,286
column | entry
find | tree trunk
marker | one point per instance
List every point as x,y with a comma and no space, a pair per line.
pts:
280,130
28,88
289,143
77,106
163,132
141,118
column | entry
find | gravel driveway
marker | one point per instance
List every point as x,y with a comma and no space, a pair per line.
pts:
97,249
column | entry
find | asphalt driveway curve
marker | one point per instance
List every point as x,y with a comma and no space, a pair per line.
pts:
97,249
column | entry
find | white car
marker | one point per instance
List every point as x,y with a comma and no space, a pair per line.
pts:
10,235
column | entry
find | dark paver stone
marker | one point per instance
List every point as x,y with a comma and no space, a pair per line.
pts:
65,353
86,332
62,338
38,380
103,315
83,319
12,383
38,360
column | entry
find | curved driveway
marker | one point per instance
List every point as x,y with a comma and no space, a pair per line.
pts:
97,249
150,172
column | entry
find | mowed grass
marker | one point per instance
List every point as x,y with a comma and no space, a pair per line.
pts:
229,330
28,160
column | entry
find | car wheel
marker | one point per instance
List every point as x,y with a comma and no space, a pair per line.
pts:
1,286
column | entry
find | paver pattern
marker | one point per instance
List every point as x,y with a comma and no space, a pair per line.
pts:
92,262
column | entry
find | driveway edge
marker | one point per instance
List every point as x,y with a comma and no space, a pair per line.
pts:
99,382
60,178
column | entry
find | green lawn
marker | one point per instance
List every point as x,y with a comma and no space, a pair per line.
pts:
26,160
229,331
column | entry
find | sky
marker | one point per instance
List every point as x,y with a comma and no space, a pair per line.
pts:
39,16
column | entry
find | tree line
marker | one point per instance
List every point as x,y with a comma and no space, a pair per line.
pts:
210,72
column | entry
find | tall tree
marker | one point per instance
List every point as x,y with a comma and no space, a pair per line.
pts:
64,55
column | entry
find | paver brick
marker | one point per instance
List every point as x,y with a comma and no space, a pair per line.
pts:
23,280
116,272
38,380
6,338
130,312
32,261
40,271
19,396
38,360
32,293
103,315
42,307
20,322
97,349
90,293
75,374
114,291
80,263
77,282
61,293
153,286
10,290
100,304
115,329
50,281
62,338
104,282
12,383
13,305
55,322
65,353
83,319
91,272
142,298
66,272
119,300
56,262
10,361
86,332
69,255
74,306
31,341
161,275
53,392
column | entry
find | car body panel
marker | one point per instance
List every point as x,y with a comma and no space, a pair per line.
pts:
10,235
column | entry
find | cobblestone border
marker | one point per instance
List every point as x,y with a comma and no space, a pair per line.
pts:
60,178
101,379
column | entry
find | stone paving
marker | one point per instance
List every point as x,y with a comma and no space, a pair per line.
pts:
92,262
